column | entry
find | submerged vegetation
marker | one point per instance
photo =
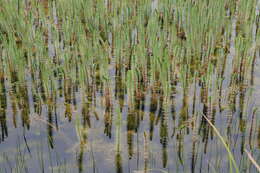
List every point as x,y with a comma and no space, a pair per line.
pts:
150,86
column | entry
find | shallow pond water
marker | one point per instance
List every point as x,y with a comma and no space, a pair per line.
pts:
159,134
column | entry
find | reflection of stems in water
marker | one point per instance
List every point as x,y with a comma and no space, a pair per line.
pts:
173,112
131,125
153,108
118,158
55,111
146,153
258,137
68,98
179,138
204,129
68,111
221,78
49,127
183,119
108,124
3,104
184,113
164,133
42,89
82,133
93,159
74,100
194,156
230,155
160,110
27,146
37,103
251,127
86,113
253,69
24,105
242,122
14,109
118,130
194,97
81,158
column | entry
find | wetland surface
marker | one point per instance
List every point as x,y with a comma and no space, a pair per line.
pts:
129,86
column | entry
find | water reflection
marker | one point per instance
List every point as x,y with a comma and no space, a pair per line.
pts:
153,115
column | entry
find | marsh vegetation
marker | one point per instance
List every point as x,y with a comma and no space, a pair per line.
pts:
130,86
